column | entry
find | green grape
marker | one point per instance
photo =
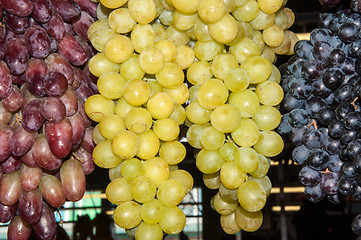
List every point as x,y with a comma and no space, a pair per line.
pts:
178,114
281,19
186,6
269,144
131,169
267,117
146,231
157,170
110,85
212,94
138,120
258,68
275,75
270,55
118,49
152,212
247,134
248,221
185,56
168,49
273,36
120,20
122,108
244,49
159,31
142,189
269,93
174,220
170,76
197,114
258,38
251,196
184,21
142,11
103,155
97,106
151,60
99,64
171,192
183,177
114,172
99,37
230,5
166,129
222,63
263,20
118,190
231,176
237,79
199,72
265,183
176,36
246,159
113,3
228,223
166,18
142,36
154,86
103,12
127,214
225,118
225,30
263,167
247,12
97,26
179,94
160,105
209,161
211,11
194,134
148,145
223,207
110,125
130,69
201,31
246,101
193,91
172,152
207,51
125,144
136,92
228,195
270,6
228,151
211,181
96,136
212,139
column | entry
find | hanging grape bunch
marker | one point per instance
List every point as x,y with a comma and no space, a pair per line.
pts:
322,106
46,144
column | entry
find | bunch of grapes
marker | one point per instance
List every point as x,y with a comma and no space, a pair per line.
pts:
46,137
322,104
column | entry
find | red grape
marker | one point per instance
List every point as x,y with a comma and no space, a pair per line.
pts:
20,8
55,27
45,228
7,212
67,9
55,84
52,191
30,206
72,50
18,229
58,63
59,137
10,188
14,101
43,155
5,80
72,179
35,73
52,109
42,10
6,133
32,119
37,41
16,23
11,164
22,141
30,177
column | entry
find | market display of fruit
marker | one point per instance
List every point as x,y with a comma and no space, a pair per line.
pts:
45,136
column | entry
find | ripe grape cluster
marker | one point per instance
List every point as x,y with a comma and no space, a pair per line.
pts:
45,136
322,104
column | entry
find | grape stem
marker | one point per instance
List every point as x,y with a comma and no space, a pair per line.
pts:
61,221
78,158
313,123
353,103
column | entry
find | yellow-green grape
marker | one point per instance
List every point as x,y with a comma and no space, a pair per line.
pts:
294,39
127,214
166,129
113,3
247,134
118,191
258,68
122,108
211,11
100,37
197,114
183,177
247,12
136,92
171,192
231,176
157,170
151,60
209,161
267,117
110,85
207,51
142,36
97,106
154,86
166,18
143,189
244,49
185,56
186,6
97,26
248,221
269,54
138,120
275,75
173,167
263,20
114,172
199,72
168,49
223,63
103,12
125,144
241,2
184,21
149,145
152,212
194,134
173,221
120,20
273,36
178,114
240,34
172,152
290,16
99,64
246,159
285,47
225,118
146,231
142,11
201,31
160,105
281,19
170,76
230,5
228,151
236,79
258,38
193,93
263,167
246,101
228,195
96,136
110,125
130,69
212,181
270,6
176,36
225,30
269,93
269,144
103,155
212,139
179,95
131,232
228,223
223,207
264,181
159,31
251,196
131,169
212,94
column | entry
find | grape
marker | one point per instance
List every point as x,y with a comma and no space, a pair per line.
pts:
15,23
18,229
30,206
20,8
37,41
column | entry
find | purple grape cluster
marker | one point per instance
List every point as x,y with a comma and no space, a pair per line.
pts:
45,136
322,105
